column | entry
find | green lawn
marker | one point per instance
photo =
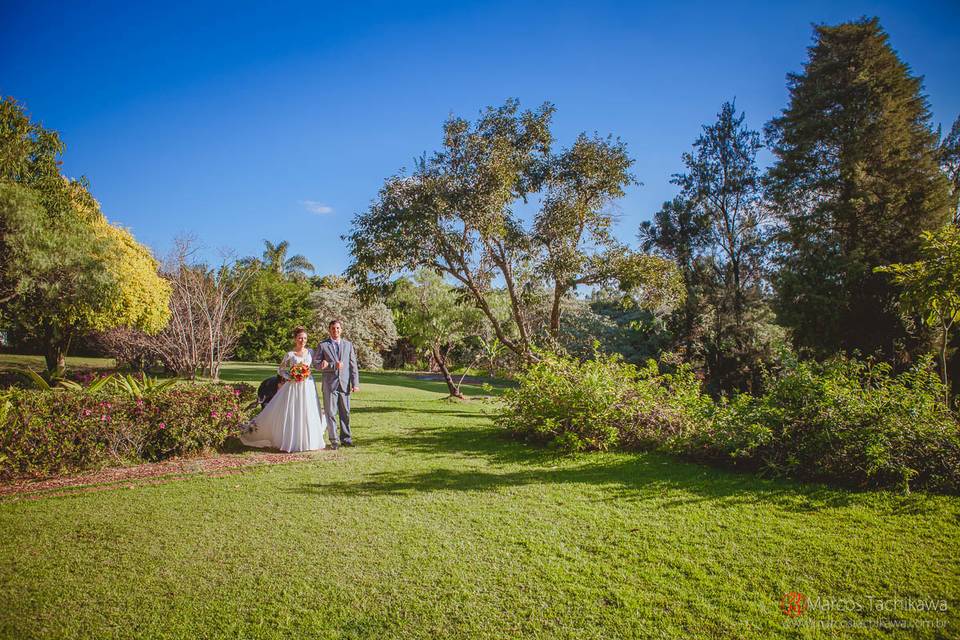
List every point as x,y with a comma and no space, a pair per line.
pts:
436,525
13,361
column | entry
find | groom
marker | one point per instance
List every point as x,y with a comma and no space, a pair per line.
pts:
340,377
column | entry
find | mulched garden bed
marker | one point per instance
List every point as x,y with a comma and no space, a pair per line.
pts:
148,473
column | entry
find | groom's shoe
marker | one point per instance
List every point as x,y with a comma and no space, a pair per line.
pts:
347,443
334,446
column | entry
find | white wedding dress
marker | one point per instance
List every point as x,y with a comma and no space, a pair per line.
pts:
292,420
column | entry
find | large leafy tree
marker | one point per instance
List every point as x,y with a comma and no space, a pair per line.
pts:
855,181
679,232
67,271
271,306
86,275
458,214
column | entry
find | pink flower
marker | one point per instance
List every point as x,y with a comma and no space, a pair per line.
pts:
86,412
214,414
229,414
103,418
236,392
163,425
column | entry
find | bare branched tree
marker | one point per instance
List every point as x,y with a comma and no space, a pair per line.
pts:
203,327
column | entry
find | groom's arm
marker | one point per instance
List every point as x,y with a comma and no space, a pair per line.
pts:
322,356
354,370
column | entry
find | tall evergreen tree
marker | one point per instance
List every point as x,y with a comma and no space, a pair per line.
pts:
856,179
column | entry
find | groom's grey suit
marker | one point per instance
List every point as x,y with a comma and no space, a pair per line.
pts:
337,385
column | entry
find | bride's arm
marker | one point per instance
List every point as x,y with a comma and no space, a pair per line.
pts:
284,369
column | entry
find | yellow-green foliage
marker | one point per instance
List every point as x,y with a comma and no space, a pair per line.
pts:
140,297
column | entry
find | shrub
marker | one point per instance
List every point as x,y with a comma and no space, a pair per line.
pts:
51,432
844,421
601,403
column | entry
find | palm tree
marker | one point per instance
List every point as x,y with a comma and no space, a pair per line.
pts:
275,258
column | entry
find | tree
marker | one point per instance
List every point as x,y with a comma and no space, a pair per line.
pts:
30,156
204,314
95,276
429,313
930,287
950,165
456,214
271,306
369,325
716,232
67,270
679,232
855,181
275,259
722,184
23,243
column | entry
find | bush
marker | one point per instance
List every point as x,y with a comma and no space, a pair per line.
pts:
844,421
602,403
51,432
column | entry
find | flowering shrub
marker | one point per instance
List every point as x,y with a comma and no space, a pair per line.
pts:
50,432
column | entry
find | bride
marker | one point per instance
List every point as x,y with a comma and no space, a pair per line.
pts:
291,421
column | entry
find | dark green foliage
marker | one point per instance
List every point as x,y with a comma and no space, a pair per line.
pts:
51,432
846,422
716,232
30,156
856,179
272,305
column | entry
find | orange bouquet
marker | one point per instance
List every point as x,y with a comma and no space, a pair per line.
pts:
300,372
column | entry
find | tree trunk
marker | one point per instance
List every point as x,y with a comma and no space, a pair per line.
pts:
442,363
943,363
56,359
555,312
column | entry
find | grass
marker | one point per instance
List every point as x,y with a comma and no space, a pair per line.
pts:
437,526
15,361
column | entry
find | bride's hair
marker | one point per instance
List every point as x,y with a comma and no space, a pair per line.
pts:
297,331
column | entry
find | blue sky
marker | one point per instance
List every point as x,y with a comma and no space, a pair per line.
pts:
246,121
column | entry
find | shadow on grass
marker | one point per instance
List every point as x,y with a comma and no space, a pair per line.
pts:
410,381
639,477
628,476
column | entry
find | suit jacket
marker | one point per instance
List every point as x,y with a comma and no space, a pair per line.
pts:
346,378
